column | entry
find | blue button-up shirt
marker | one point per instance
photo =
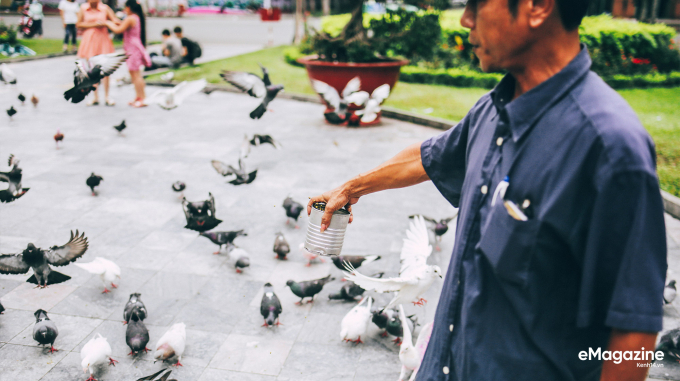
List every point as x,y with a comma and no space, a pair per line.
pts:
522,298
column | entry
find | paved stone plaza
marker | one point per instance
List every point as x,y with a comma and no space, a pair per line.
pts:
137,222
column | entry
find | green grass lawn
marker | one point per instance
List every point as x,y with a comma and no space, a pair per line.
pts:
657,108
49,45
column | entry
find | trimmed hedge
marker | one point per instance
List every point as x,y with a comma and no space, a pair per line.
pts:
449,77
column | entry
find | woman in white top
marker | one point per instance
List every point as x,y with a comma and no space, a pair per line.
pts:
35,11
68,9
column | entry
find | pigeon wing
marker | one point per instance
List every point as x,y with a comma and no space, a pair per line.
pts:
327,92
108,62
13,264
223,169
381,93
379,285
153,376
428,219
246,82
359,98
447,220
351,87
72,250
188,89
416,247
80,73
268,139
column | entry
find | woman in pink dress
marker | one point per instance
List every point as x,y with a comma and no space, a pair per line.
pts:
96,40
134,41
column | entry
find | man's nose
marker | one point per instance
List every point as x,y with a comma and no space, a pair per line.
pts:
468,18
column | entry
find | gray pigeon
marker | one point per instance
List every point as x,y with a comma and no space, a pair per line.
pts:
308,288
242,258
293,210
255,87
136,335
134,304
44,330
93,181
241,175
281,246
11,111
200,215
670,343
13,179
395,328
90,72
222,238
381,317
40,260
350,290
2,309
270,308
669,292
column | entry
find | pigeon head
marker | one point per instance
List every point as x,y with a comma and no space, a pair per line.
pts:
134,297
40,315
178,186
274,89
671,283
435,271
31,252
290,283
97,72
268,284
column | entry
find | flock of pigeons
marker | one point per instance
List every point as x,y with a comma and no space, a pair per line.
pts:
415,275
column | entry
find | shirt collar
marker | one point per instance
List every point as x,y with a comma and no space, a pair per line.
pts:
523,112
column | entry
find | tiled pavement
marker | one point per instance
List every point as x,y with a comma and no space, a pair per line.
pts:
136,221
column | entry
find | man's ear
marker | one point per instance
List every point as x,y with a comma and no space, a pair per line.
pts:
538,11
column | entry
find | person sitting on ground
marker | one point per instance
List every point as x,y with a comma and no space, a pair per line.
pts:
190,49
172,52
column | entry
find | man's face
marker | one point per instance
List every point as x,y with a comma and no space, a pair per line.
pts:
498,37
165,37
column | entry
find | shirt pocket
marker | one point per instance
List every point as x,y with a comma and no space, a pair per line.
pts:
509,244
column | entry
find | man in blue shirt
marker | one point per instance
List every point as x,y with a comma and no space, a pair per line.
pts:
560,243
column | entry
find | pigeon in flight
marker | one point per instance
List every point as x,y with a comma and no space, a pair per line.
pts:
94,181
134,304
255,87
270,307
21,98
13,179
108,271
7,75
40,260
136,334
242,177
58,137
242,257
171,344
44,330
415,275
669,292
11,111
293,210
355,260
355,323
95,352
336,106
171,98
372,109
120,127
412,355
153,376
350,290
256,141
223,238
200,215
34,100
179,186
438,227
90,71
308,288
281,246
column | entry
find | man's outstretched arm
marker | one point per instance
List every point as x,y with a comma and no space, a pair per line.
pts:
403,170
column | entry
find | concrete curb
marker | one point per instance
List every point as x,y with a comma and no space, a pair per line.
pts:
34,58
670,203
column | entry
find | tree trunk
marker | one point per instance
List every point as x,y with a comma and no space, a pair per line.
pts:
299,22
326,6
655,11
354,30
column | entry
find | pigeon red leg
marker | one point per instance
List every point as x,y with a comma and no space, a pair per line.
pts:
131,353
215,253
146,350
384,334
358,341
113,285
265,324
124,322
178,364
238,271
91,378
278,323
53,349
112,361
106,291
397,341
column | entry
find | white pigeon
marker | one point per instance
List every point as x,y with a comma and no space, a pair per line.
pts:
95,352
412,355
173,97
172,344
355,323
108,271
415,275
7,75
372,108
331,96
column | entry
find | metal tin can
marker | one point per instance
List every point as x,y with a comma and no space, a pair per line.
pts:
330,241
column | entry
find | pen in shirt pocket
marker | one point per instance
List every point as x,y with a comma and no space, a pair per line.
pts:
517,212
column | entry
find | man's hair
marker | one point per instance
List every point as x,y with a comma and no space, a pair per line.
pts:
571,11
165,32
178,29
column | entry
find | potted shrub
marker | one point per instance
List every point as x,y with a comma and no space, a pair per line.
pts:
372,52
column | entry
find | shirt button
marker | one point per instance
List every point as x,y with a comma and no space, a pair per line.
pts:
484,189
446,370
451,328
499,141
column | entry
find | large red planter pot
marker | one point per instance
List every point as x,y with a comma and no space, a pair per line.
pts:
337,74
271,14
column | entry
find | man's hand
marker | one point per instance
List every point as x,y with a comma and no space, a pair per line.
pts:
403,170
627,370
